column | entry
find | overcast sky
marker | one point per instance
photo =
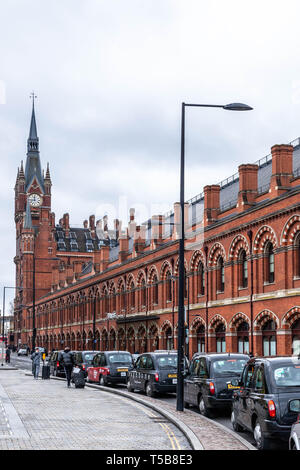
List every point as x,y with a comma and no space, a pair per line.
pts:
110,78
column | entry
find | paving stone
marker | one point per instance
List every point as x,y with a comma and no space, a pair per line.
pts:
55,417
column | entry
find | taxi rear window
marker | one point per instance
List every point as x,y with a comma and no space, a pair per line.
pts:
228,367
88,357
287,375
167,362
120,358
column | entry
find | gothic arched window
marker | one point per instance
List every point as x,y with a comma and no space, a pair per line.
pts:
220,275
243,269
269,264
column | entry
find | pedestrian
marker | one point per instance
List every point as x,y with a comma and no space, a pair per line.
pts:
36,362
7,356
67,360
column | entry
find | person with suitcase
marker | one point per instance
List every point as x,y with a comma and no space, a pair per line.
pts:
67,360
78,377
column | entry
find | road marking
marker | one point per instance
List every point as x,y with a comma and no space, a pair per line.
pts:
164,426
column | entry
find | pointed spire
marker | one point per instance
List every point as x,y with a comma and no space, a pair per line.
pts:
33,140
21,174
33,131
47,177
28,220
33,164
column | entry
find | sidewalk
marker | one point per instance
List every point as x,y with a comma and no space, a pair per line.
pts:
45,414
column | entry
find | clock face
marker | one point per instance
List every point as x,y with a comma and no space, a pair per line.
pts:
35,200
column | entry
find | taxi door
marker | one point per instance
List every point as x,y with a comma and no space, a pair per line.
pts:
189,382
139,372
244,397
93,371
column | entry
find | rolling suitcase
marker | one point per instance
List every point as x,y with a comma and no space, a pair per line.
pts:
78,378
45,371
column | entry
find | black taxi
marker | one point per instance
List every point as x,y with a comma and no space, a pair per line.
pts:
263,403
154,372
208,382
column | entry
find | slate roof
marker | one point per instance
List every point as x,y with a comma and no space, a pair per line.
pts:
81,240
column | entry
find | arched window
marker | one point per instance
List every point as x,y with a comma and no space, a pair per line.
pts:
243,269
132,295
269,264
155,289
297,256
143,293
243,337
122,297
200,279
105,301
269,338
296,337
169,338
200,339
220,337
220,275
113,299
168,287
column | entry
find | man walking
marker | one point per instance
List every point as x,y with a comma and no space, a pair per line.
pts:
36,361
67,360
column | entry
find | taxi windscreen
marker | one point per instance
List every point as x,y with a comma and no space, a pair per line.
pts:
228,367
167,362
88,357
287,375
120,358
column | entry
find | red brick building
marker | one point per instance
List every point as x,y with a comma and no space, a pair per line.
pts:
117,289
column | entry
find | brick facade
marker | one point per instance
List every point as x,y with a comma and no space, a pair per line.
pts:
242,266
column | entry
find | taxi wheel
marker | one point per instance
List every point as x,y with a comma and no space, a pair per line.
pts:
149,391
102,381
262,443
129,387
204,411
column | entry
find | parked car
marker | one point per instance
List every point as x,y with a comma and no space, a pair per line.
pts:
154,372
264,402
22,352
84,359
294,441
110,367
56,366
208,382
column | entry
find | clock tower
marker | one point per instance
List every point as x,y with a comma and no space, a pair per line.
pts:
35,246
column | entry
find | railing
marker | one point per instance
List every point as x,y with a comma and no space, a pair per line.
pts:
296,173
263,189
228,205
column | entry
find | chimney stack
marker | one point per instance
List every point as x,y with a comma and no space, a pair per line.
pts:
247,186
282,169
211,204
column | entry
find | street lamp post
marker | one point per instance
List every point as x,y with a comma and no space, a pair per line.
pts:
180,342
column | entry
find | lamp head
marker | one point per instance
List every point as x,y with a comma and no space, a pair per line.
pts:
237,107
